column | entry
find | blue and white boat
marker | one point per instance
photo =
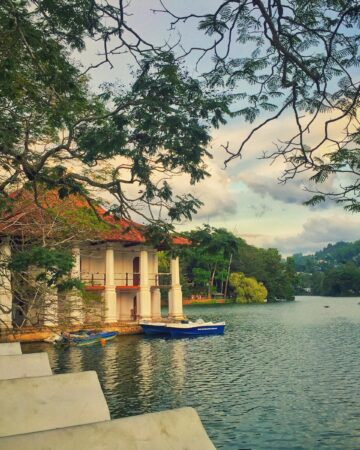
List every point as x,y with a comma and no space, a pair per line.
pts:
188,329
81,338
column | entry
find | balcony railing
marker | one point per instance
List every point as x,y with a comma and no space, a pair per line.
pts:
125,279
93,279
160,279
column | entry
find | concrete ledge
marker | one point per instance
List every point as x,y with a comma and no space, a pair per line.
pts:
21,366
179,429
45,403
30,334
10,349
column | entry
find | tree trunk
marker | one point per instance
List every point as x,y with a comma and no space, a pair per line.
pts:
228,275
211,283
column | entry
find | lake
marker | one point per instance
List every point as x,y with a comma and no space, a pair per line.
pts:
284,376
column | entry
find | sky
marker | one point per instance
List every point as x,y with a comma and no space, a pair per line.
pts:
246,197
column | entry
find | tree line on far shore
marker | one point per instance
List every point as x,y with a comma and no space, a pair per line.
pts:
218,262
333,271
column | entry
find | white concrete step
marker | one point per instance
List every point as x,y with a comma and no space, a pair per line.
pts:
179,429
45,403
12,348
21,366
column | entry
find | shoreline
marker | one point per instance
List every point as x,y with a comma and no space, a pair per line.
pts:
29,334
205,301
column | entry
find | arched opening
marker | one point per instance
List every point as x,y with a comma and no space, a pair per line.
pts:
136,271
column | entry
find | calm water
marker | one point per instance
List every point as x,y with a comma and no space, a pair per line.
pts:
284,376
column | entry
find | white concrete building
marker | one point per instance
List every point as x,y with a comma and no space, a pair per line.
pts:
119,270
127,277
123,277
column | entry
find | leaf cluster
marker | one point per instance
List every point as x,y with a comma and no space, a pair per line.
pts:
296,59
55,132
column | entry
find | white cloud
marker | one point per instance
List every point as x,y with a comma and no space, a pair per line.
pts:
294,191
215,192
317,232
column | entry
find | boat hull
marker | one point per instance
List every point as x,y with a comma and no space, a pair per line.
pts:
188,331
81,342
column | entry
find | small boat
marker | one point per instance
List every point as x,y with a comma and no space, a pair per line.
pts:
183,329
90,339
82,338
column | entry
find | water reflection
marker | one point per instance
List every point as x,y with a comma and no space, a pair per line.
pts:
177,359
282,377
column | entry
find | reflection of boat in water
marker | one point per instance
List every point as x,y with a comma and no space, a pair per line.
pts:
83,337
187,329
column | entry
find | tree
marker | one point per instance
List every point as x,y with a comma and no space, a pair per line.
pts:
120,144
124,143
41,260
334,270
248,290
290,57
206,261
268,267
342,281
317,282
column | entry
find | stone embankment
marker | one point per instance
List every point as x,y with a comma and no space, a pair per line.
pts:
29,334
61,412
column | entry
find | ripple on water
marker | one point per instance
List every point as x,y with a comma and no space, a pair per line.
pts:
283,376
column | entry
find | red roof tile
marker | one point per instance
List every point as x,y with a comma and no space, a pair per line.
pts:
25,215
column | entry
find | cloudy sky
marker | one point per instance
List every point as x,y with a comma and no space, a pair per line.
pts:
246,198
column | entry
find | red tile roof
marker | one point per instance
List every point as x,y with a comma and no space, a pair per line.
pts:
26,218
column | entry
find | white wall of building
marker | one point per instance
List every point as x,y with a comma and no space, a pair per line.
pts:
119,302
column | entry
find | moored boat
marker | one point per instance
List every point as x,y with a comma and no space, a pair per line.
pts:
82,338
189,329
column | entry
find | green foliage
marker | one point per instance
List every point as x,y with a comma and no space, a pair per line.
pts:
69,284
163,262
342,281
206,263
201,276
297,59
268,267
50,265
333,271
247,290
331,256
51,121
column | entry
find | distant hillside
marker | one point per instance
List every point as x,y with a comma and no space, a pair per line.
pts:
335,270
331,256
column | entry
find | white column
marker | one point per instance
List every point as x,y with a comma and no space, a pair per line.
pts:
5,286
110,289
77,315
175,293
145,299
155,293
156,304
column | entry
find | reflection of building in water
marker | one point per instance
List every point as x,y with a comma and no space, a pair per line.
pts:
161,372
110,369
146,379
177,358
